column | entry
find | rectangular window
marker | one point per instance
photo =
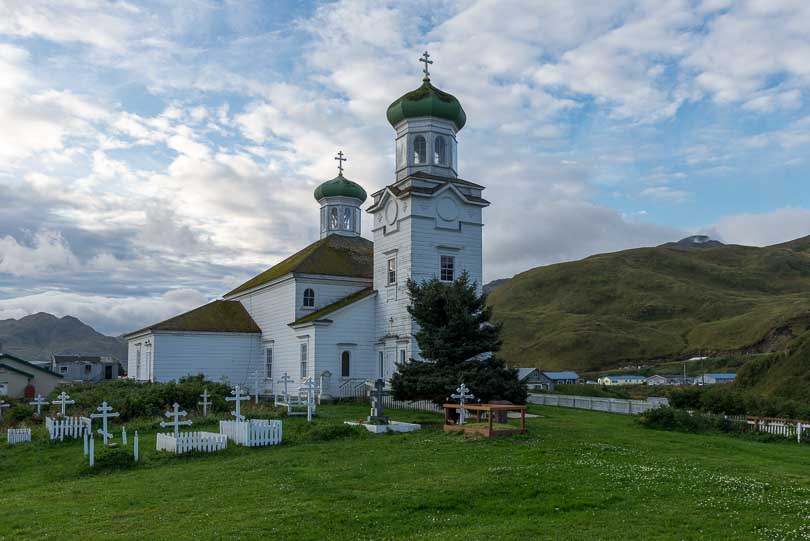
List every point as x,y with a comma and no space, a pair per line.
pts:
63,369
402,356
304,355
88,369
381,368
138,362
268,363
447,268
392,271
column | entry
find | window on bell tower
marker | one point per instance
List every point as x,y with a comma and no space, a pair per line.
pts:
419,150
439,151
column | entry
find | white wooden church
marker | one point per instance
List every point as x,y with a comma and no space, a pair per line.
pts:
336,310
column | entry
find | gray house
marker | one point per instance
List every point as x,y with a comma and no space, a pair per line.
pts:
86,368
546,380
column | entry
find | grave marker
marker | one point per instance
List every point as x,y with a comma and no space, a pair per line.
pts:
377,402
176,423
285,380
39,401
106,413
237,397
462,395
63,401
310,387
256,385
205,402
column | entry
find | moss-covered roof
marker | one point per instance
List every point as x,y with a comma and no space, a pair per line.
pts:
340,186
345,301
427,100
15,369
27,364
217,316
335,255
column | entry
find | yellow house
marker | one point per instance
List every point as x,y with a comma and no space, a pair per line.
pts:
17,374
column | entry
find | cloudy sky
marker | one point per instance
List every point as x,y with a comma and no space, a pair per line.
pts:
155,154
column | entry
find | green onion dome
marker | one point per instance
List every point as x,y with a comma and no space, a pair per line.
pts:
427,100
340,186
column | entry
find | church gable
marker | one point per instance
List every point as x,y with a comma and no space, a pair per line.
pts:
335,255
218,316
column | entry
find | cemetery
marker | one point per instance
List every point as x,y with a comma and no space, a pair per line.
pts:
570,475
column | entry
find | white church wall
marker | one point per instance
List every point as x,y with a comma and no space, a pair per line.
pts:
327,291
351,330
231,356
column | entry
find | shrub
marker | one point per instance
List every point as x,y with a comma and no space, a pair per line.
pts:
667,418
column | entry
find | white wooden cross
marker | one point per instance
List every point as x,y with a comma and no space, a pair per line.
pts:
3,405
176,423
205,402
63,401
285,380
237,397
106,413
311,387
462,395
256,377
39,401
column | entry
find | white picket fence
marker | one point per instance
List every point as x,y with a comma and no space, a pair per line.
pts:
414,405
608,405
252,433
788,428
18,435
206,442
67,427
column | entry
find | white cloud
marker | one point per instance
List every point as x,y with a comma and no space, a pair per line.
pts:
763,229
47,252
665,193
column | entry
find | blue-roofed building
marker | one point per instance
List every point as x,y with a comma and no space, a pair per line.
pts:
546,380
712,379
622,380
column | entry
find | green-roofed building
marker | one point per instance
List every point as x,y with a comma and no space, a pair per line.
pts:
336,310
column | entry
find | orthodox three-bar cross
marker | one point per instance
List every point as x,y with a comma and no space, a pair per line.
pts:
462,395
237,397
205,402
285,380
310,386
176,423
106,413
340,160
39,401
424,59
63,401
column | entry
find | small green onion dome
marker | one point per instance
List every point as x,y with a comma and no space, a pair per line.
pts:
340,186
427,100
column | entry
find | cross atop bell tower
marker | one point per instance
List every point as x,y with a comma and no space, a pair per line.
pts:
425,59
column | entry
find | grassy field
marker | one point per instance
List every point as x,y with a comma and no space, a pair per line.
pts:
576,475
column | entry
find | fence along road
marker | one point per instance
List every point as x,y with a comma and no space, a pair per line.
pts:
608,405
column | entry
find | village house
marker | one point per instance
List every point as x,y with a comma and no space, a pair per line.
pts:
621,380
21,379
546,380
86,368
336,311
669,379
713,379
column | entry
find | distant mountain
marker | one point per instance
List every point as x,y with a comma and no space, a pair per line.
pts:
38,336
489,287
695,242
656,303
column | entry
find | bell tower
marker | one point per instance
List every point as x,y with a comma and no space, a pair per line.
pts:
428,222
340,200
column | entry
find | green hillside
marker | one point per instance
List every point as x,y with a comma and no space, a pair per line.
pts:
785,374
655,303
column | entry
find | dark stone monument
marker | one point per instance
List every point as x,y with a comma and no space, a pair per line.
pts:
377,404
500,416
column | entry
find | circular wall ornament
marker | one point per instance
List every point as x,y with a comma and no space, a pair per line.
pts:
448,209
391,212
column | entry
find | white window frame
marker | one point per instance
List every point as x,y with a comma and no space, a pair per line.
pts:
402,356
268,362
452,259
415,156
391,271
312,298
303,349
381,364
437,159
63,369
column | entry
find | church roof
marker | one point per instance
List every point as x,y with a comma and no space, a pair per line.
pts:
340,186
326,310
27,364
444,181
217,316
335,255
427,100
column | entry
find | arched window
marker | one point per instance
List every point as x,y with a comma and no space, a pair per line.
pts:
348,219
309,298
440,151
345,364
333,218
419,150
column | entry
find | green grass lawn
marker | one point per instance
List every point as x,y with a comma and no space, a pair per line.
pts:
575,475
